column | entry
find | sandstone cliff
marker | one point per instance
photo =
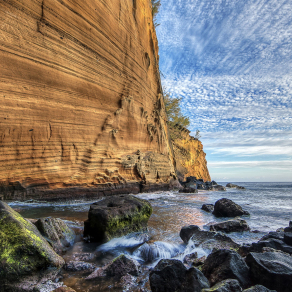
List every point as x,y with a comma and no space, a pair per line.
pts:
81,107
189,155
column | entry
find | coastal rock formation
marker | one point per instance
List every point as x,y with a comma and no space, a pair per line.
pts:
24,253
227,208
233,225
116,216
82,111
189,155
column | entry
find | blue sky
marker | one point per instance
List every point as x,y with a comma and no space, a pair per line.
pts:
231,62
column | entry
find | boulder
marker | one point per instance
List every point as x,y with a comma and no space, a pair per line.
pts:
188,190
234,225
198,262
56,232
288,234
173,276
24,253
258,288
229,285
226,264
75,266
206,239
64,289
272,269
187,232
208,207
218,188
227,208
213,183
116,216
233,186
118,267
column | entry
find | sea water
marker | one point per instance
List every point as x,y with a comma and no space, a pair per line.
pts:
269,205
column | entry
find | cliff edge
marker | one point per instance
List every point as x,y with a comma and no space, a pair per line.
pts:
81,106
189,155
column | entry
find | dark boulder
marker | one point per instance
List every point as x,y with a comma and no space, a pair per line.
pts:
288,234
75,266
56,232
218,188
188,190
227,208
24,253
271,269
206,239
226,264
187,232
213,183
118,267
229,285
234,225
189,258
198,262
208,207
116,216
173,276
233,186
258,288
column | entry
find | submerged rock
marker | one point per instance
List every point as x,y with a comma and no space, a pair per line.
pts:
208,207
218,188
190,258
24,253
118,267
288,235
188,190
207,239
116,216
233,225
233,186
226,264
272,269
229,285
258,288
57,233
75,266
227,208
173,276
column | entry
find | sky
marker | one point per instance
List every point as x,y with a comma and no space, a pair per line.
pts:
231,63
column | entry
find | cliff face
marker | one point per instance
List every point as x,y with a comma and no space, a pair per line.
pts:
81,109
189,155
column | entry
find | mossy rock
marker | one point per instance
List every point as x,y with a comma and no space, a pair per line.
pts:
116,216
24,254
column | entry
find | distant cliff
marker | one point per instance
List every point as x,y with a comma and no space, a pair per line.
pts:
189,155
81,107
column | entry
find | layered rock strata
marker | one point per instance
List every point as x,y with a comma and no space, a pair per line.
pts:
81,106
189,155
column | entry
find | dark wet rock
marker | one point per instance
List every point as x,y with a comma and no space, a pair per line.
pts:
213,183
271,269
208,207
188,190
290,224
200,261
244,249
118,267
207,239
81,257
234,186
47,286
187,232
258,288
64,289
288,235
116,216
189,258
57,233
150,252
23,253
229,285
276,244
227,208
75,266
128,282
173,276
226,264
234,225
218,188
273,234
240,188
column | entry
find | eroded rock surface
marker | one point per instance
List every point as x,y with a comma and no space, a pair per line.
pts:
81,107
116,216
24,253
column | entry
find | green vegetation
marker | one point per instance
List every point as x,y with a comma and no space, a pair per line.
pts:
155,9
173,111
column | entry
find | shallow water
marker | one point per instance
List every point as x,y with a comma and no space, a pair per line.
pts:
269,204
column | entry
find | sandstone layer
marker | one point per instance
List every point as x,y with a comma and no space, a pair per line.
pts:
189,155
81,107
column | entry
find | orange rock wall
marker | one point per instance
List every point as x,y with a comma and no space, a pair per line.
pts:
80,98
189,155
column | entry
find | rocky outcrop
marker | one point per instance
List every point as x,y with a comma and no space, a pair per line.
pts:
24,253
81,105
227,208
189,155
233,225
116,216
